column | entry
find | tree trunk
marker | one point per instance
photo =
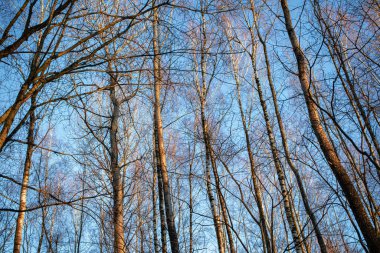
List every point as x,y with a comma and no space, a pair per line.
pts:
191,198
215,214
284,141
117,182
290,216
154,202
202,94
267,245
162,211
161,161
25,179
219,193
371,236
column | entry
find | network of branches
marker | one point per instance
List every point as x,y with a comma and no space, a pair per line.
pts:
190,126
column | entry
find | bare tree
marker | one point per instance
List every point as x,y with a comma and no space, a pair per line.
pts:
159,138
370,234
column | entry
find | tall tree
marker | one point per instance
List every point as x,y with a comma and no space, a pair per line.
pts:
25,178
159,136
369,232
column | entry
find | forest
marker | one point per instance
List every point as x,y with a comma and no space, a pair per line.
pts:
165,126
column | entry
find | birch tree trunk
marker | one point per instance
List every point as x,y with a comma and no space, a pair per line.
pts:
267,245
160,152
290,216
202,94
25,179
284,141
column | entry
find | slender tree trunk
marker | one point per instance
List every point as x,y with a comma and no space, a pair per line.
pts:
117,182
44,209
162,213
40,239
102,229
81,218
371,236
25,179
140,222
292,166
220,196
215,215
79,239
290,216
211,157
191,199
191,213
202,94
267,245
154,202
161,161
210,194
49,234
160,199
